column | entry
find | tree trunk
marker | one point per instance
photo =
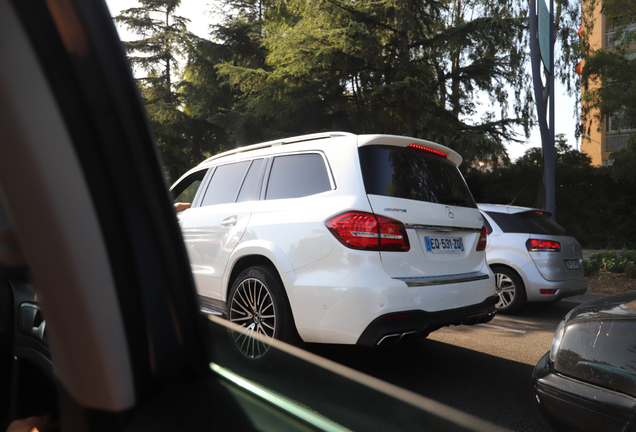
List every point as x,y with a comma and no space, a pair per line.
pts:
405,60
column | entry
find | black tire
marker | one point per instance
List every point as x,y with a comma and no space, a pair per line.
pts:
510,290
258,303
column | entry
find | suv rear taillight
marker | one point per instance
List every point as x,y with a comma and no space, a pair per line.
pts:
483,239
367,231
534,245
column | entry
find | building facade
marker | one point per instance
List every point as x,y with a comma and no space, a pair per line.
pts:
599,141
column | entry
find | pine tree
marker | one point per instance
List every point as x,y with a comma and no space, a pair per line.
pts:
406,67
163,40
235,43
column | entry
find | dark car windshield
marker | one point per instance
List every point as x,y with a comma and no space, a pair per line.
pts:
413,174
531,222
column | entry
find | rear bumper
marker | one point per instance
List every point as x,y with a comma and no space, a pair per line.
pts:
534,283
583,406
336,299
394,327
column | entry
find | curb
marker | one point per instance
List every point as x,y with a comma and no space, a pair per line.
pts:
585,297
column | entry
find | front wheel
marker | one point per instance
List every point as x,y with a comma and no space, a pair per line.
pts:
259,304
510,290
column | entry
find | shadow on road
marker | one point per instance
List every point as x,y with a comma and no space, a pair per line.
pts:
546,311
488,387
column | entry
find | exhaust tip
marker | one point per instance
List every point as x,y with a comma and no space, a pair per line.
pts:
397,337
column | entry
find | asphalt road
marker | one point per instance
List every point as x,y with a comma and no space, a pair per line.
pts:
483,370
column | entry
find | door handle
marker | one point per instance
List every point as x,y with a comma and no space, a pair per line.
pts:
230,221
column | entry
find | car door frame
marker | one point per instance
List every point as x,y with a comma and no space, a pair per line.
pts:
143,313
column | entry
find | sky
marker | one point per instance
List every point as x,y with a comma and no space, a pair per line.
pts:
199,13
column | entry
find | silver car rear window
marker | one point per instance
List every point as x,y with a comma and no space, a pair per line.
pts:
531,222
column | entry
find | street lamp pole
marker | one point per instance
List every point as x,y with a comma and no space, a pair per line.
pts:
542,51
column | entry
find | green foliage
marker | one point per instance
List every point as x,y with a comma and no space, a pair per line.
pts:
630,271
596,209
614,265
629,256
600,256
272,69
182,138
407,67
624,161
612,262
591,267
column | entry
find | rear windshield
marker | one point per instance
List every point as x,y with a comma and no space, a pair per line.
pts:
413,174
528,222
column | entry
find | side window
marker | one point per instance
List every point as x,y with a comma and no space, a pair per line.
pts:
508,223
187,188
542,224
487,225
225,183
248,190
297,176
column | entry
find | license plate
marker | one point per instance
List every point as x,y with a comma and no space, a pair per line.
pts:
572,264
444,244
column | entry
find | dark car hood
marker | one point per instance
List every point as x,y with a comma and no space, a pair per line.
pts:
599,346
619,306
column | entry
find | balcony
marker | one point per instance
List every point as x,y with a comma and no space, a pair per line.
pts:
615,142
612,39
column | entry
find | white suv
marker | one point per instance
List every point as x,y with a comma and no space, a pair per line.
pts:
337,238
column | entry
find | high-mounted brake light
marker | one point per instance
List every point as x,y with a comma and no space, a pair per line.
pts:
427,149
367,231
483,239
534,245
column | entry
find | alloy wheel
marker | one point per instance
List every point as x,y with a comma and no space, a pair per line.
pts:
506,290
252,307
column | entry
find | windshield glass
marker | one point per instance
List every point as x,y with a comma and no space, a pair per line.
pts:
313,391
413,174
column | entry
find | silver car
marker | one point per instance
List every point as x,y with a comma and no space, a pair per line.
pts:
534,259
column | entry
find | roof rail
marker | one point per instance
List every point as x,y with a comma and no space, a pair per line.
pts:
290,140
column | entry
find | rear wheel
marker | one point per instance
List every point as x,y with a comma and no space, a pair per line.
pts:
510,289
259,304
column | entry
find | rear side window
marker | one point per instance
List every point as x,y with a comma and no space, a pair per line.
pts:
248,190
527,222
508,223
296,176
487,225
412,174
225,184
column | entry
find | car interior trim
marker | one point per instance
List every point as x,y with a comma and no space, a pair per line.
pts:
78,262
282,403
